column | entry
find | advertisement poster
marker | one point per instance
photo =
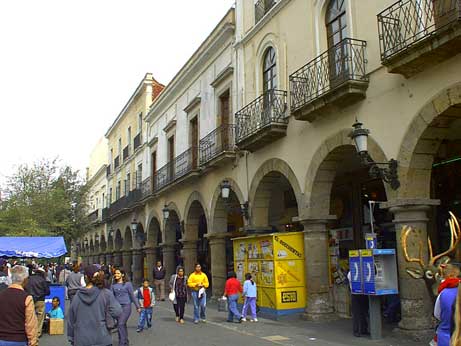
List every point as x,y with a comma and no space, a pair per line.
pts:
267,273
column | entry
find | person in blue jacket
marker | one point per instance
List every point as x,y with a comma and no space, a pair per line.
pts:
56,311
443,311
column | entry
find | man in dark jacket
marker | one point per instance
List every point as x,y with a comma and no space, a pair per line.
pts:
89,310
38,288
159,280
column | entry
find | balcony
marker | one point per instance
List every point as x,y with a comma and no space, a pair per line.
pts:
415,35
108,170
146,188
93,216
117,162
104,214
262,7
181,168
218,146
125,202
335,79
126,153
137,141
262,121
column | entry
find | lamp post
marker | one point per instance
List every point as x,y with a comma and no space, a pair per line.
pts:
166,213
86,242
388,173
225,194
134,226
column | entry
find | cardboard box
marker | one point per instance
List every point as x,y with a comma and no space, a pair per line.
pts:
56,326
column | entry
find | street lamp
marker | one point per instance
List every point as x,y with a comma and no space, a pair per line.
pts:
388,174
225,194
86,242
111,232
96,237
165,212
134,226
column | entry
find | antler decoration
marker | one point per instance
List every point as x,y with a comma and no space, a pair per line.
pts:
405,232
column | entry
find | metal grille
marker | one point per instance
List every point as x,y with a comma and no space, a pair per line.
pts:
146,188
268,109
92,217
407,22
117,162
179,167
216,142
262,7
341,63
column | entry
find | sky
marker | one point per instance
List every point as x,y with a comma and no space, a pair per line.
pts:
67,68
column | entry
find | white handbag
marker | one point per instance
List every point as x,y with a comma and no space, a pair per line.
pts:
172,295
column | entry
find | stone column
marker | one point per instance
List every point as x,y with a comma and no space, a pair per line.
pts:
415,299
319,305
190,255
138,267
127,261
217,243
169,260
109,258
150,255
102,258
118,259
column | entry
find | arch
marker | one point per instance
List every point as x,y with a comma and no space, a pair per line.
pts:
172,226
195,197
153,232
140,237
422,140
268,41
127,239
102,242
118,241
193,220
270,76
217,210
322,171
110,242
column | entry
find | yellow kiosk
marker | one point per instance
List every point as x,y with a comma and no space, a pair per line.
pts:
276,262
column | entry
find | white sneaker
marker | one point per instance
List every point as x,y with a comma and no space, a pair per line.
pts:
254,320
244,319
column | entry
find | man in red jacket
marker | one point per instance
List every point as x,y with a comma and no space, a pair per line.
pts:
232,291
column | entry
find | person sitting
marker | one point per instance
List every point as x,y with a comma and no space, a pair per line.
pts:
56,311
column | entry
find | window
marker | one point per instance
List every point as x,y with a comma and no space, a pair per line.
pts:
128,182
104,200
111,158
117,190
139,176
119,147
139,122
128,137
269,70
110,196
336,22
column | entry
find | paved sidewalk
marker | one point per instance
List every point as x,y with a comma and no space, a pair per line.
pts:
290,331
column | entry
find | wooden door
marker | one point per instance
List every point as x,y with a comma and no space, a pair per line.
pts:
194,141
224,100
154,169
171,155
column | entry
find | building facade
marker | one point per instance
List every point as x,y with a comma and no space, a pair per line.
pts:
265,108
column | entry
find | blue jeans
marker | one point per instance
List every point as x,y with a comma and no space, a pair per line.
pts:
145,316
233,311
13,343
199,306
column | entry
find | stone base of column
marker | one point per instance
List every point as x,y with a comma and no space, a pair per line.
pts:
319,308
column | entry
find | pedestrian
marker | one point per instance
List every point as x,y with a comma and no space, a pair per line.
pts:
74,282
250,294
159,280
198,283
359,304
443,309
146,299
18,322
90,312
123,292
178,286
5,280
38,288
232,291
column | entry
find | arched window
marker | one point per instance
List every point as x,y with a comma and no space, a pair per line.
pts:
270,70
336,22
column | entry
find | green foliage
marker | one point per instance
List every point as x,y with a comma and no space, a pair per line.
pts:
44,199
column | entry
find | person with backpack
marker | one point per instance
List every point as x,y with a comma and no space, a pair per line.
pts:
91,312
250,294
123,292
146,299
38,288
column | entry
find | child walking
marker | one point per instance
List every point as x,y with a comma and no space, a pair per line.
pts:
249,292
146,298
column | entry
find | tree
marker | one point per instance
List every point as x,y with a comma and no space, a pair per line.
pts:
44,199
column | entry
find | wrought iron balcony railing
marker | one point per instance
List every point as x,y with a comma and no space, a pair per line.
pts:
408,22
341,63
269,108
217,142
104,214
126,153
93,216
137,141
262,7
125,202
179,167
146,188
117,162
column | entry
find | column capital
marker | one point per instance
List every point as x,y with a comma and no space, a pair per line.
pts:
316,225
126,251
409,203
218,235
168,246
149,249
137,251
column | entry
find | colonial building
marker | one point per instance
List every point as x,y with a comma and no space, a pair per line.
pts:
265,107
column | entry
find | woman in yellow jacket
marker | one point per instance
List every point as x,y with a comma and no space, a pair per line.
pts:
198,283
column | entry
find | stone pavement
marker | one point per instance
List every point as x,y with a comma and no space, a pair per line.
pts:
289,331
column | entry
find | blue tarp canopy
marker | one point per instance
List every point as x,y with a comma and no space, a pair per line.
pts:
38,247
